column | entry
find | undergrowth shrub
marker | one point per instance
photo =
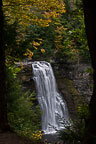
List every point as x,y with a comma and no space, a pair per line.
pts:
74,133
24,115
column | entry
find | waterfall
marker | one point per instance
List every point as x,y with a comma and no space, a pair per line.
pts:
54,109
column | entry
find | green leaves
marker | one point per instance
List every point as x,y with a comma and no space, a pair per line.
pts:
83,112
71,42
14,70
24,115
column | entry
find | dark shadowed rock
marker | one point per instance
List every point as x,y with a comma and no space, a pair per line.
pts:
73,82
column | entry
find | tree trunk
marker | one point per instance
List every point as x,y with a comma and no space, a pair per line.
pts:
3,105
90,23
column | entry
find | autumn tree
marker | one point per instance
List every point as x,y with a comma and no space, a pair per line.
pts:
27,13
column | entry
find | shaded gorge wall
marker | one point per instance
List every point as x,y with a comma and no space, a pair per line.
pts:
73,81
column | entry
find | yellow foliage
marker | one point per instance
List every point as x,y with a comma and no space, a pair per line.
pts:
59,37
36,136
42,50
35,47
30,11
36,43
29,53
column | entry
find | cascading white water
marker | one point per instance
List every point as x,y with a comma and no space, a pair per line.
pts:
54,109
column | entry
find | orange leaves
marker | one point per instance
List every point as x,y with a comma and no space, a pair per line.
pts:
35,43
50,5
60,29
51,14
35,46
29,53
41,22
37,12
59,37
43,50
40,12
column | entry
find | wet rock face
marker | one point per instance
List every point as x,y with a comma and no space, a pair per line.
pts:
73,81
75,84
82,79
25,77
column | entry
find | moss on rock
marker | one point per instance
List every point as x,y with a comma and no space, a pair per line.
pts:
70,94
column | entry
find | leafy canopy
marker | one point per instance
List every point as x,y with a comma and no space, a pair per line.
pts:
33,11
25,13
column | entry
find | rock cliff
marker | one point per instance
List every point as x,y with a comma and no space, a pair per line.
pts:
73,81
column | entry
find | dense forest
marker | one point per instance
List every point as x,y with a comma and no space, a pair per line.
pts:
62,33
